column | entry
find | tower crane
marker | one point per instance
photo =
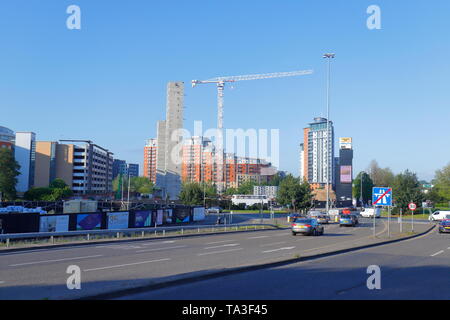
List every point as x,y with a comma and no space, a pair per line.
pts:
220,82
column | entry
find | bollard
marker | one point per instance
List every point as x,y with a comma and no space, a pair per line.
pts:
88,237
118,235
182,231
198,230
7,243
164,233
143,234
52,240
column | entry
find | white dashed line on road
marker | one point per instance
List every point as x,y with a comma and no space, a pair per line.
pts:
260,237
219,242
272,244
439,252
57,260
221,246
160,249
280,249
125,265
217,252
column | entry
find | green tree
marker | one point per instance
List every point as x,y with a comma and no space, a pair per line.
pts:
294,193
56,191
246,187
406,188
9,170
381,177
191,194
141,185
441,184
367,185
275,180
58,184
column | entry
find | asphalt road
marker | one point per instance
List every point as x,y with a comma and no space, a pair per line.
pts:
413,269
41,273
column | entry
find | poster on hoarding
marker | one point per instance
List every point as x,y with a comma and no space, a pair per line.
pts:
54,224
159,217
168,216
92,221
346,174
117,220
199,214
143,219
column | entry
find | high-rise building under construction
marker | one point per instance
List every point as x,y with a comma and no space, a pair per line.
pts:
169,138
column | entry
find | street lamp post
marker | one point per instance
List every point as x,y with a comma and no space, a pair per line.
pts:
328,56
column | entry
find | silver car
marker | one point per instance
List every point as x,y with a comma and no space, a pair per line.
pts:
307,226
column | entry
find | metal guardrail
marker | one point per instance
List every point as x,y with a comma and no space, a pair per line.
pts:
118,232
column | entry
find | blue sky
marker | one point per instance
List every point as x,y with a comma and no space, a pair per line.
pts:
107,81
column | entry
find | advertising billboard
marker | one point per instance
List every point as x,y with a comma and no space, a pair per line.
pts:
159,217
199,214
143,219
117,220
92,221
345,143
346,174
54,224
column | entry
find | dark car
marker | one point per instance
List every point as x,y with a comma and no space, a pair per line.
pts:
309,227
444,226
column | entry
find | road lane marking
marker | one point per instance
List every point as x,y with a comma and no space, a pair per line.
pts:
272,244
280,249
125,265
221,246
439,252
155,243
260,237
219,242
216,252
56,260
160,249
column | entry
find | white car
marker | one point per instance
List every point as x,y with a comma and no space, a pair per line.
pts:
439,215
369,212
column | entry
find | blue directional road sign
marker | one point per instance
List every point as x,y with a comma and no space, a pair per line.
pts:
382,196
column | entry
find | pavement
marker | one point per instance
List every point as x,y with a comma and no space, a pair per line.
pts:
42,273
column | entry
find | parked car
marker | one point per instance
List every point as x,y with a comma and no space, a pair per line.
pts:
439,215
444,226
307,227
369,212
214,210
348,220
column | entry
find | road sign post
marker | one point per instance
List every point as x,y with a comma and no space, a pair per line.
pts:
381,197
412,206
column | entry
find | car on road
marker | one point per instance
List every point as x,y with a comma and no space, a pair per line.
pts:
323,219
293,216
444,226
307,226
346,211
370,212
348,220
439,215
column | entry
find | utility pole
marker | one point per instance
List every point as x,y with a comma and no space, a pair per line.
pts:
128,199
328,56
